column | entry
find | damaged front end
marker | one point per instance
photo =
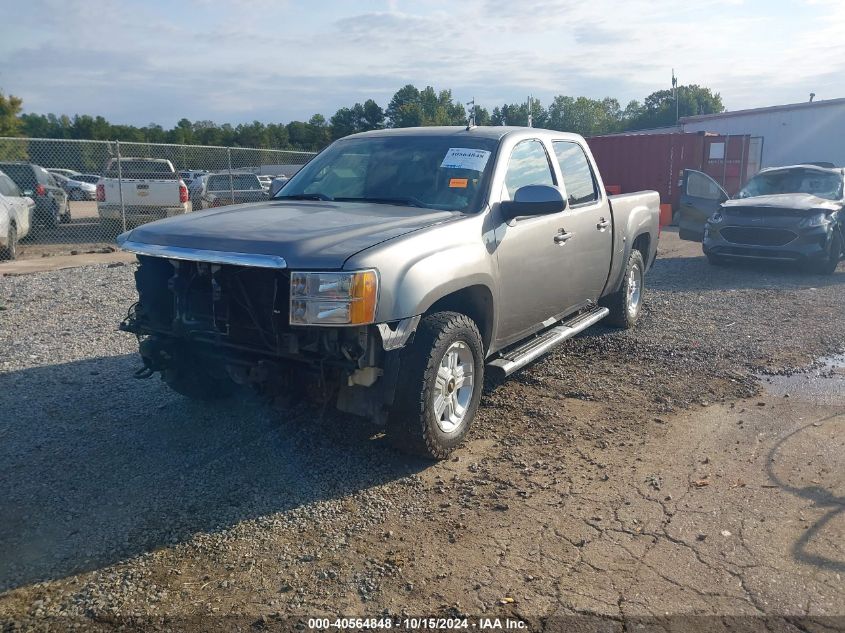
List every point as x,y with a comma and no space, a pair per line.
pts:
235,322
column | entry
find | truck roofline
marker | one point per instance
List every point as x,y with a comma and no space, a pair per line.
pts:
484,131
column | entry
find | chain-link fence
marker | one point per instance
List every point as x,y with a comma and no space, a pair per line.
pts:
86,192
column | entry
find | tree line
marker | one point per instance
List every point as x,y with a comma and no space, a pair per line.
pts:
408,107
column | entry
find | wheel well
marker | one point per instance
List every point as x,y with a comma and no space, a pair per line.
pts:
642,244
474,301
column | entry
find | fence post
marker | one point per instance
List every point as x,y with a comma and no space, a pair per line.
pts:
120,186
231,182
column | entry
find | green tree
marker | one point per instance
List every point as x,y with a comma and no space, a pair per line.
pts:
344,122
659,107
10,107
517,114
298,134
405,109
585,116
183,132
372,116
482,116
358,118
318,132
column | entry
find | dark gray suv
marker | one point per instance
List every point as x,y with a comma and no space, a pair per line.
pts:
51,201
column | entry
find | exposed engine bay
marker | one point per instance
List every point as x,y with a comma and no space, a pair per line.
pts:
235,319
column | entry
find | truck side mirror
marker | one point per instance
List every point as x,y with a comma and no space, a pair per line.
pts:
534,200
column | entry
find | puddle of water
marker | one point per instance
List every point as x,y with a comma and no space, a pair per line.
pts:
823,384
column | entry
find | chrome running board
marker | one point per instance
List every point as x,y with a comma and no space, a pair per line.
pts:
518,357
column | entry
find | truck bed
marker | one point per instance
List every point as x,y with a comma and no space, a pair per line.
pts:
633,214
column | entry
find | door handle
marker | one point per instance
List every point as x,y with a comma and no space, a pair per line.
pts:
602,224
563,236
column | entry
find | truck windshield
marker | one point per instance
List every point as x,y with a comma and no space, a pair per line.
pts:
437,172
812,181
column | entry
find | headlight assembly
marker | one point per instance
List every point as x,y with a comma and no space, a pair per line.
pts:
333,298
716,218
816,219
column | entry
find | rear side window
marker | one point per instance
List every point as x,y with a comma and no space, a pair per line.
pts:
4,186
22,175
577,173
528,165
11,187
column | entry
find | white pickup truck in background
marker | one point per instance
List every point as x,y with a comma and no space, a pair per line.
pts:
151,189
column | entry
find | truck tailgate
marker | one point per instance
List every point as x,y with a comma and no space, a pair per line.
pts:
143,192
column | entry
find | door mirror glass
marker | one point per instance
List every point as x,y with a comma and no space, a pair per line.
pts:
534,200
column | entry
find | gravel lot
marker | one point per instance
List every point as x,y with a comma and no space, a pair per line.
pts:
627,474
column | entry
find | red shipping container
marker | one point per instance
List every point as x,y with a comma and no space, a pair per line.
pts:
657,161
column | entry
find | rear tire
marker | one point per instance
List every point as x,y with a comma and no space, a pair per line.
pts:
439,386
52,219
625,304
194,378
10,251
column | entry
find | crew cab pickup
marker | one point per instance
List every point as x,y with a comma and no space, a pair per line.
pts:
143,188
391,272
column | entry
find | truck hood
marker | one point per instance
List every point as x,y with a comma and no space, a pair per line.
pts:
319,235
796,201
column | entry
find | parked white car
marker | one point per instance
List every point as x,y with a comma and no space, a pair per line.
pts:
82,187
16,212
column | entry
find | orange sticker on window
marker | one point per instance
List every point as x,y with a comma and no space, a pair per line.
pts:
460,183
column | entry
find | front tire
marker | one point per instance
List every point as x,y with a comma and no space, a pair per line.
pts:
439,386
10,251
626,303
827,265
715,260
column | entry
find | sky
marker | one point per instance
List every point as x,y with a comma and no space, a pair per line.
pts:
237,61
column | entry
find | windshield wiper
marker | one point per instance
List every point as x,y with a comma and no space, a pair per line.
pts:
305,196
410,202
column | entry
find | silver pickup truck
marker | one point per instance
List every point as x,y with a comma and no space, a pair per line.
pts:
392,272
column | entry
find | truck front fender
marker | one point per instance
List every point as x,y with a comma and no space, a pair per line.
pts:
417,271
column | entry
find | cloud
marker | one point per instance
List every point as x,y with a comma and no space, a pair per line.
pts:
249,59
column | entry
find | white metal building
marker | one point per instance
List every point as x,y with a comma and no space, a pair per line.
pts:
793,133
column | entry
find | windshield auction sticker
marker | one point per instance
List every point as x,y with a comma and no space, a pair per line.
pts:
464,158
